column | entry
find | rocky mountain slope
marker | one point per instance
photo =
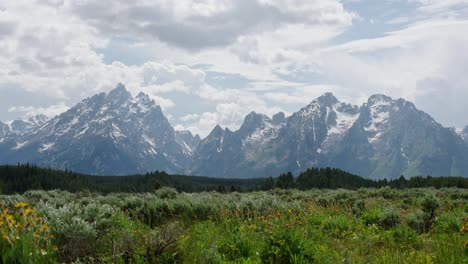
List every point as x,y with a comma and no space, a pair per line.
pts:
116,134
112,133
464,134
382,138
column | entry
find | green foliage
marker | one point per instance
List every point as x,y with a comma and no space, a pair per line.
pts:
372,216
416,220
277,226
166,193
331,179
338,226
22,178
285,181
24,236
287,246
389,218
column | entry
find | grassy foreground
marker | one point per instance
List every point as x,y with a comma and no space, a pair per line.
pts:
279,226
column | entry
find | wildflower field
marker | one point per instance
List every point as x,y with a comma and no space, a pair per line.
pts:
279,226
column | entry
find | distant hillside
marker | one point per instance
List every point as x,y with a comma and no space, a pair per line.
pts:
21,178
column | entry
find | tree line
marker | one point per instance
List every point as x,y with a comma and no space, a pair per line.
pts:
23,177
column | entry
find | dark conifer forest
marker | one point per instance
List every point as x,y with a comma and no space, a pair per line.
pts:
23,177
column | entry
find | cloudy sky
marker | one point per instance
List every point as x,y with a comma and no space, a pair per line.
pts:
211,62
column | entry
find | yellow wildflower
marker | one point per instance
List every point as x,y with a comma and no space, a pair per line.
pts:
10,219
28,211
21,205
44,227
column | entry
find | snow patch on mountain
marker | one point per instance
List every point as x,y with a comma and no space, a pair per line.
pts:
20,145
313,109
379,109
263,134
148,140
22,126
344,120
46,147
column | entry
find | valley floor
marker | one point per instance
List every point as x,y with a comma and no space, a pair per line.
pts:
279,226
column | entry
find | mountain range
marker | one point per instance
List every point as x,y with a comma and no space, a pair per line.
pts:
117,134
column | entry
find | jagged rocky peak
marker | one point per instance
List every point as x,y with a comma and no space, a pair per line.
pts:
121,99
252,122
216,132
385,102
255,117
279,118
380,105
21,126
318,106
327,99
110,133
38,120
187,137
145,103
213,143
379,99
119,94
188,142
144,98
337,117
185,133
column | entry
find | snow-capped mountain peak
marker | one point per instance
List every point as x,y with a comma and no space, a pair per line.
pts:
315,108
379,99
379,109
252,122
259,129
114,133
326,110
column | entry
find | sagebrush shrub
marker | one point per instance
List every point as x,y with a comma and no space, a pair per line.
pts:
166,193
389,218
